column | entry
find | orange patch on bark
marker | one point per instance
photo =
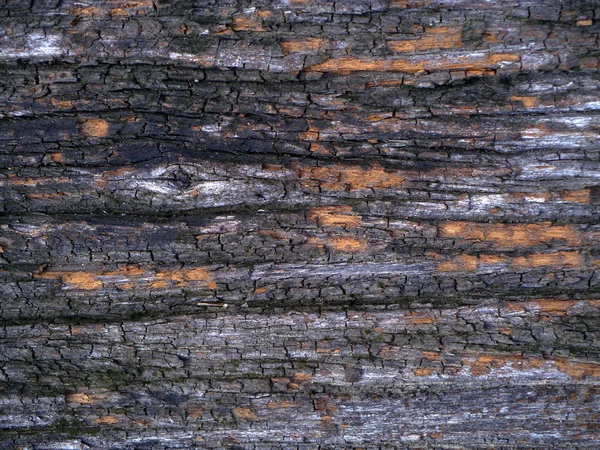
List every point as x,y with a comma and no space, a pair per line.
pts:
85,398
346,244
308,136
62,104
261,290
511,235
434,39
51,195
334,216
554,307
460,263
57,158
432,356
340,178
491,259
479,64
131,7
131,277
485,363
244,413
301,377
319,149
94,128
578,196
76,280
13,180
569,259
526,101
305,46
348,64
86,11
280,235
578,370
247,24
181,277
106,420
423,371
550,306
324,404
420,318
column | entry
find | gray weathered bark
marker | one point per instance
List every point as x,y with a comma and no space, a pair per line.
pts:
291,224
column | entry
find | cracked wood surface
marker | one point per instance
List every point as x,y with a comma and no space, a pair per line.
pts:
291,224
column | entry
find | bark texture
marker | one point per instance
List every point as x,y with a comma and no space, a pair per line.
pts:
292,224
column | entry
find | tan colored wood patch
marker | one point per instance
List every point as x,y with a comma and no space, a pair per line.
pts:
94,128
340,178
334,216
437,38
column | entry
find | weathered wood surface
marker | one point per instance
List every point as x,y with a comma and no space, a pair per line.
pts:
292,224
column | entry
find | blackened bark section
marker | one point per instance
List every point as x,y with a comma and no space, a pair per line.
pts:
299,224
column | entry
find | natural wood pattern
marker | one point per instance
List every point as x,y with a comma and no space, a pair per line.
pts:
299,224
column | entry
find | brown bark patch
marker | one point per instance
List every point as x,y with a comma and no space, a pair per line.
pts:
87,11
262,290
437,38
585,22
334,216
61,104
106,420
132,277
131,8
57,158
485,363
247,24
181,277
349,178
479,64
301,377
526,101
244,414
76,280
560,259
578,370
85,398
421,320
346,244
423,371
545,306
462,263
577,196
310,45
511,235
94,128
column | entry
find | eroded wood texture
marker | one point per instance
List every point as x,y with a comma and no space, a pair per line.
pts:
299,224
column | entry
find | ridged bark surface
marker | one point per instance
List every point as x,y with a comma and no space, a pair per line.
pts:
299,224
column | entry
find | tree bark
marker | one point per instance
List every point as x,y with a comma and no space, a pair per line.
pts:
291,224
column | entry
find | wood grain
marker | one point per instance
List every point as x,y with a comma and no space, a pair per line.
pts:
284,224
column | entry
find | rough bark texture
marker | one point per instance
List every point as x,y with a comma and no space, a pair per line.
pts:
299,224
